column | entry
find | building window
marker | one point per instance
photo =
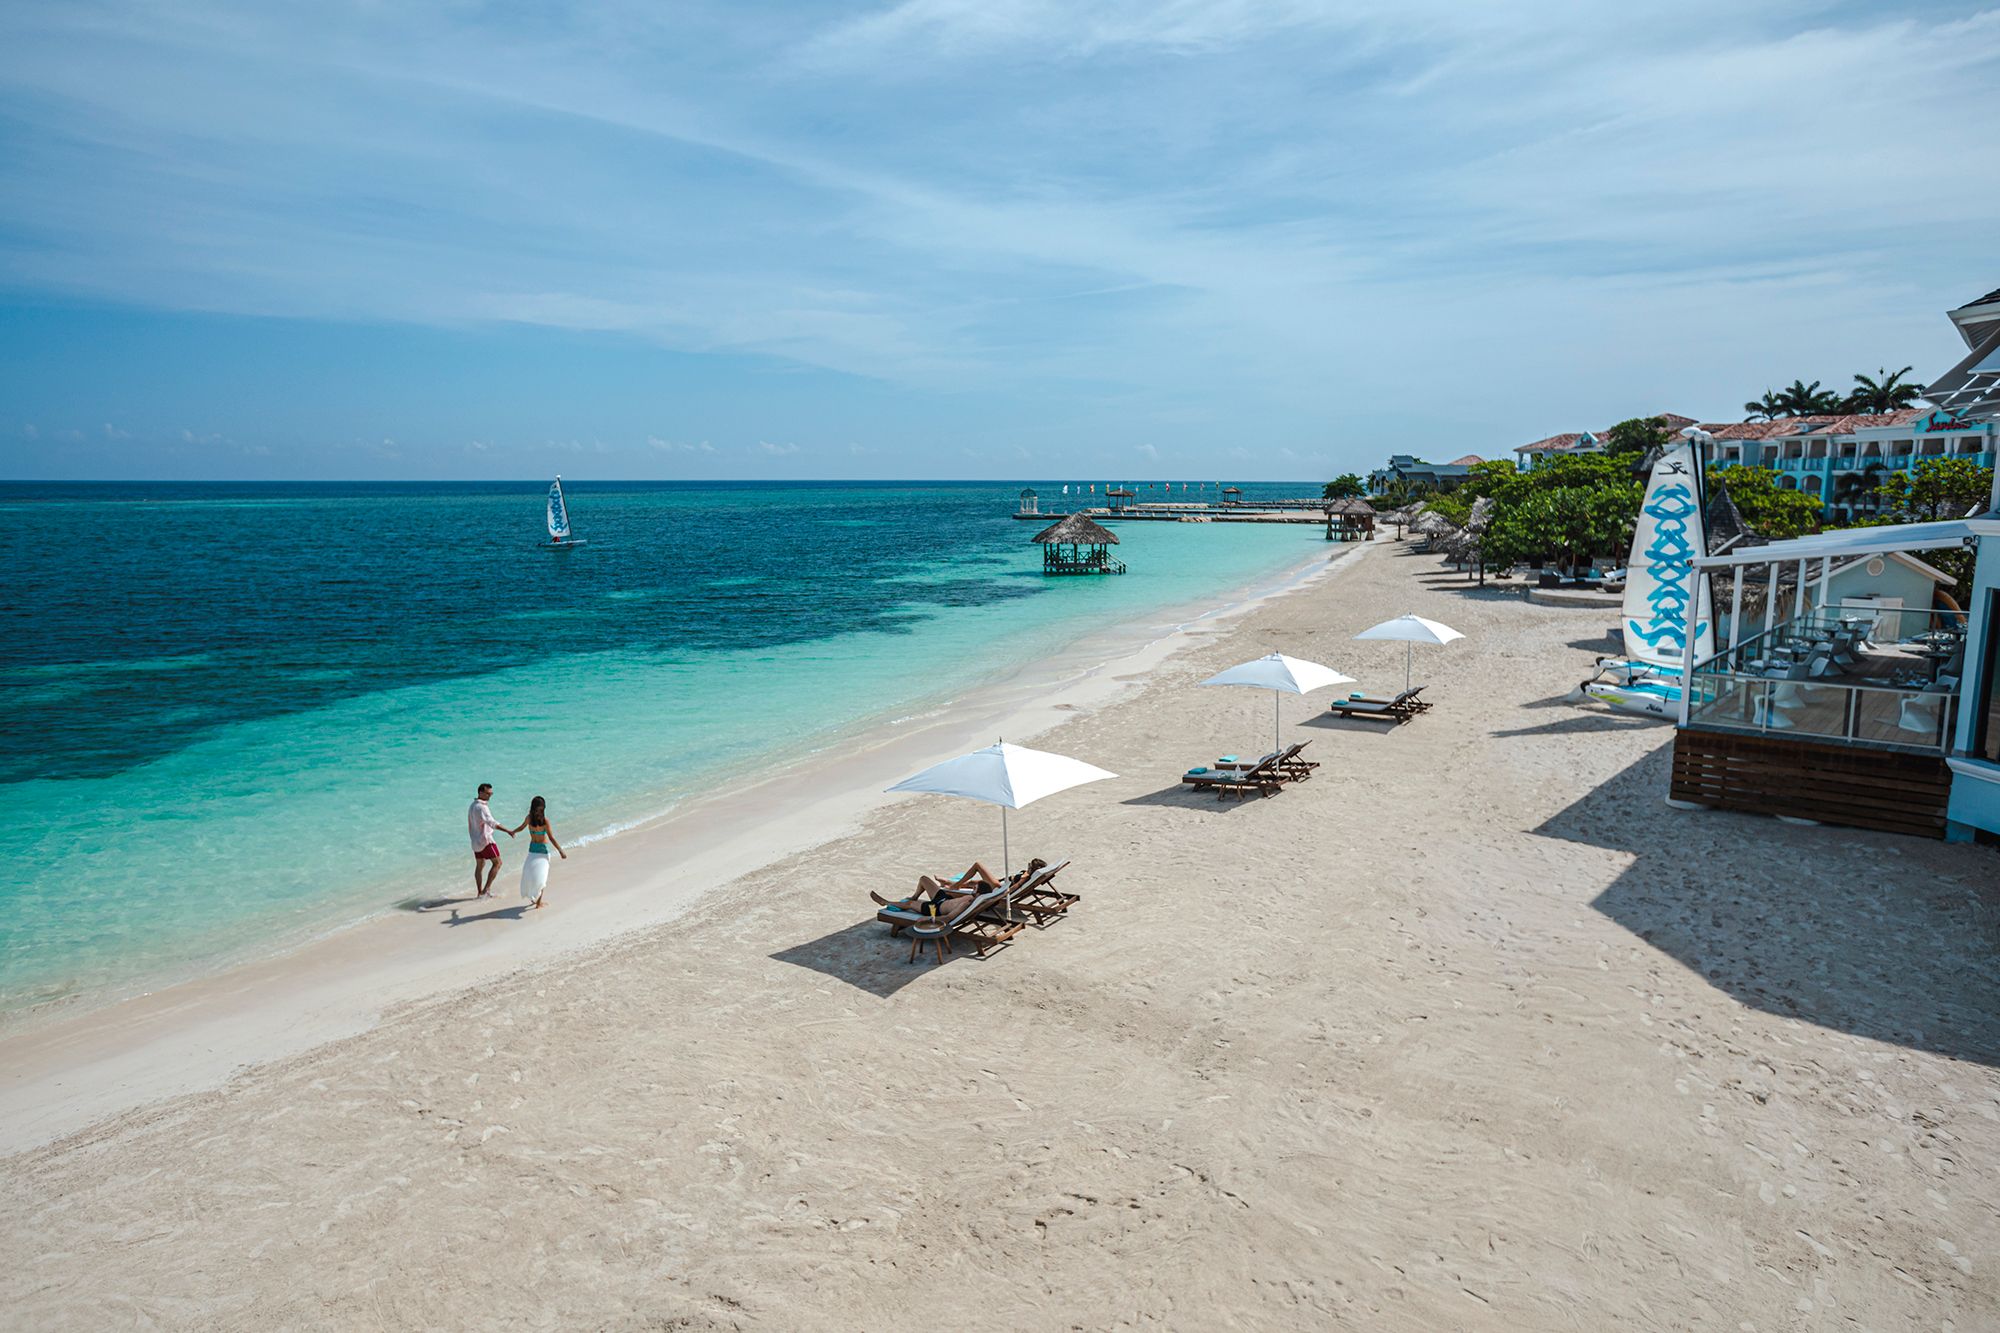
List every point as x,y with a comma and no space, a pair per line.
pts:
1986,711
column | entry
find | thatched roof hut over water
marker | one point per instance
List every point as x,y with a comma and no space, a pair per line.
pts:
1078,545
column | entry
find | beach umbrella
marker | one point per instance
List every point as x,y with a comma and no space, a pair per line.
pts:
1280,675
1008,776
1411,630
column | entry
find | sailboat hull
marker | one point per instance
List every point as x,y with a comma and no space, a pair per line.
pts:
1635,687
1648,699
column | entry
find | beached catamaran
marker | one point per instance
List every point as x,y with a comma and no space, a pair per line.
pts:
559,536
1662,593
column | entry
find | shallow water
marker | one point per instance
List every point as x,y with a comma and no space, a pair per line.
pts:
239,715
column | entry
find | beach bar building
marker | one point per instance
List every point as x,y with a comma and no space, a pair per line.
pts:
1844,711
1078,545
1854,710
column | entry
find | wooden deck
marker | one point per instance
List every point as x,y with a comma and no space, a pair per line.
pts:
1832,784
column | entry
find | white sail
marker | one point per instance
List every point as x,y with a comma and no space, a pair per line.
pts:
1663,594
558,512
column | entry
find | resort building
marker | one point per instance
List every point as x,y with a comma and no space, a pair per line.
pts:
1843,459
1571,443
1413,471
1878,709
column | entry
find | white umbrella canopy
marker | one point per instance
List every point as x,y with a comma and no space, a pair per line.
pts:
1412,630
1280,675
1008,776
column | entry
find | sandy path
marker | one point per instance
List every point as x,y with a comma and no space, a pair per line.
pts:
1469,1031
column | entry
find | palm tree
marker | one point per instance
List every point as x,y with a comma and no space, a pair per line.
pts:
1883,392
1768,408
1808,400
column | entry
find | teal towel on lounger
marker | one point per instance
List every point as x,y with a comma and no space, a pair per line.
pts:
1193,771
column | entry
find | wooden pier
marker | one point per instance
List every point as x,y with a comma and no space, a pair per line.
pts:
1262,511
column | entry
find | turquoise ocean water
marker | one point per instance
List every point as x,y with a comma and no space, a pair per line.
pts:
239,715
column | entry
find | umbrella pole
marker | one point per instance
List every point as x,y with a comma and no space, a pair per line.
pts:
1006,867
1409,651
1276,745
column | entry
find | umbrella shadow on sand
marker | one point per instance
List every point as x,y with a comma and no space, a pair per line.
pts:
1186,799
866,957
1880,935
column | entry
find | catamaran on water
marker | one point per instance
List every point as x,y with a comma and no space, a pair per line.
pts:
559,533
1665,600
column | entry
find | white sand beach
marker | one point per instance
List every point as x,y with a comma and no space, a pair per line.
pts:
1469,1031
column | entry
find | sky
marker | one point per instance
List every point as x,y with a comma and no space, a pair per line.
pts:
1258,239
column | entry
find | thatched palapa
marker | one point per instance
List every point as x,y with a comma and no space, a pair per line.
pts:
1078,545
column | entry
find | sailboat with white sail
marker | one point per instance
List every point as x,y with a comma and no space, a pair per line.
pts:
560,537
1665,599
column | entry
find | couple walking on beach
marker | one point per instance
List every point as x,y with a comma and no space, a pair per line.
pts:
481,824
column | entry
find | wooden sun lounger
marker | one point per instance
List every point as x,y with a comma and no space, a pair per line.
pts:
967,918
1036,897
1399,709
1263,778
1286,763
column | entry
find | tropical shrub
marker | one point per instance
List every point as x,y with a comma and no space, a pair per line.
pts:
1769,509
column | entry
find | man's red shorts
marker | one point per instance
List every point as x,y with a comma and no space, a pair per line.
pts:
490,852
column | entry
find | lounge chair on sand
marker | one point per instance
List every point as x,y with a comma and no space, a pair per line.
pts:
1263,777
1035,896
1286,763
1399,709
966,916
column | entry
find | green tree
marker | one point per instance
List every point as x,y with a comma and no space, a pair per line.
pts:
1566,510
1807,400
1769,509
1637,435
1346,486
1454,507
1768,408
1882,392
1488,477
1935,488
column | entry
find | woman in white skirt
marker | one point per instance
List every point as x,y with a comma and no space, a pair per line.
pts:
535,873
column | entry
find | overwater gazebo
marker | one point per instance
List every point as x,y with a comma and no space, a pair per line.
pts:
1118,498
1349,520
1078,545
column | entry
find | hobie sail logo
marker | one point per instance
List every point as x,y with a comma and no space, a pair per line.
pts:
1669,559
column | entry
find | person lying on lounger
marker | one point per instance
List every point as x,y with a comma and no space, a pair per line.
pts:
940,894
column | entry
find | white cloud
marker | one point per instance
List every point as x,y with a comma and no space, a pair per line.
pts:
777,450
1150,453
679,446
1139,221
1073,28
112,432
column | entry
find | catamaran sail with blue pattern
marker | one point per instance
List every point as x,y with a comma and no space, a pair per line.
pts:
558,513
1665,600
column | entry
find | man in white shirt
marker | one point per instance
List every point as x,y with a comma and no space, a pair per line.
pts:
480,823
